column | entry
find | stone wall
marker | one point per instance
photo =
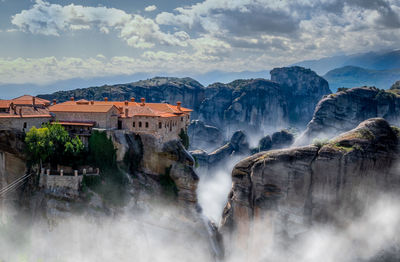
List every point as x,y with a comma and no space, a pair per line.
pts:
23,123
107,120
56,181
170,127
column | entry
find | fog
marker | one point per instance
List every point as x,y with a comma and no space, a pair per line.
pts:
164,234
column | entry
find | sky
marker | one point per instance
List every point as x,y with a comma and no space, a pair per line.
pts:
43,41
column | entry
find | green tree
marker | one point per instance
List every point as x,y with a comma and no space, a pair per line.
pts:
38,145
52,144
184,138
73,151
101,150
59,138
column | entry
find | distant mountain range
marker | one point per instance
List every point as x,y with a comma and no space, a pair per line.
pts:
352,76
384,60
14,90
380,69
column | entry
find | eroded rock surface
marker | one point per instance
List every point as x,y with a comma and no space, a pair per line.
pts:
343,111
288,190
202,136
304,88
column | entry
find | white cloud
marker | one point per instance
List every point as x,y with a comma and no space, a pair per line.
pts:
150,8
53,19
234,35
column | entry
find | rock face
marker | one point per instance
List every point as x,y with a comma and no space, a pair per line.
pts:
202,136
144,154
252,104
344,110
238,145
304,88
396,85
255,104
277,140
286,190
12,159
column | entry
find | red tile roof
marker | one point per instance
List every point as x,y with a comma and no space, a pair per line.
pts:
134,108
5,103
28,100
84,108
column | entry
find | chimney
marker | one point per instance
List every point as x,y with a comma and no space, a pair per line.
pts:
33,100
72,98
126,103
106,99
143,101
92,102
132,99
54,102
178,105
126,112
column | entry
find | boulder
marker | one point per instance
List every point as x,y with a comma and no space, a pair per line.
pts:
343,111
290,189
202,136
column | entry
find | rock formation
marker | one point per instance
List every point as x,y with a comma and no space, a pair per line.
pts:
12,159
342,111
255,105
288,190
237,146
277,140
202,136
396,85
251,104
303,90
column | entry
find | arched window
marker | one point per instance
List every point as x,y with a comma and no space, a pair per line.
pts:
140,124
134,124
147,124
25,124
182,119
159,125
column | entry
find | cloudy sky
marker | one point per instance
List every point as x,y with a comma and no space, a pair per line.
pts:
45,41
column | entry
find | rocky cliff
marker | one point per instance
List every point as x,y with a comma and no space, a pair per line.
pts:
12,161
342,111
288,190
202,136
303,90
255,104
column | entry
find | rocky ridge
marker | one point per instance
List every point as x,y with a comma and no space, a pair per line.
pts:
254,104
344,110
291,189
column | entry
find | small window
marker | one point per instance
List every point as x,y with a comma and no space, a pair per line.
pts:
147,124
25,124
182,119
159,125
134,124
140,124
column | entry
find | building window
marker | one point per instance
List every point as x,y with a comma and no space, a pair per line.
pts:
159,125
147,124
182,119
25,125
140,124
134,124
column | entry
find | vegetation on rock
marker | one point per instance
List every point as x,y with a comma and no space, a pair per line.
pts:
52,144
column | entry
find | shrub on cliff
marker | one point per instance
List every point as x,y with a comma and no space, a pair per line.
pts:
101,150
52,143
184,138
